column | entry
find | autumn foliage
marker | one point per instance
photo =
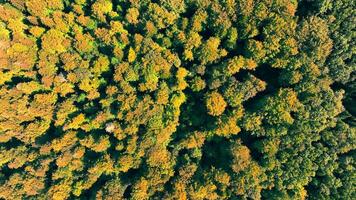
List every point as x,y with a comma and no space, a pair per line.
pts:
177,99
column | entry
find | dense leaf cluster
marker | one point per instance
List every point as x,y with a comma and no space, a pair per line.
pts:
177,99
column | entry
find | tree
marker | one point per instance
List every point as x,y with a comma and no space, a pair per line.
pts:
215,103
210,51
101,8
177,99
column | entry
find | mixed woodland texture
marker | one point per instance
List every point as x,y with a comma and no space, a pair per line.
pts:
177,99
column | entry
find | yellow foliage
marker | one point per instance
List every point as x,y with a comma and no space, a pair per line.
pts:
132,15
141,190
101,65
215,104
29,87
131,56
162,94
241,158
125,162
76,122
158,157
102,7
234,65
36,31
195,140
54,41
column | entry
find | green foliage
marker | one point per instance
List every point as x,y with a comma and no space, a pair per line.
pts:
177,99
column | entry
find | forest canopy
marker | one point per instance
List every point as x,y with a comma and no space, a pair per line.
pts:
177,99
